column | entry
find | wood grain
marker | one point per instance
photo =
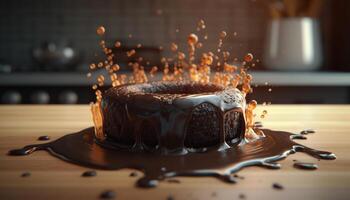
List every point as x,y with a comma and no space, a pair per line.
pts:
52,178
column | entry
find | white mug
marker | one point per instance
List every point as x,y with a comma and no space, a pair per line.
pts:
293,44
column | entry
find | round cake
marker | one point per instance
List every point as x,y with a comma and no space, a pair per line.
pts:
172,117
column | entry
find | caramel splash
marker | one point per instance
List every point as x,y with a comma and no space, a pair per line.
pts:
211,67
98,120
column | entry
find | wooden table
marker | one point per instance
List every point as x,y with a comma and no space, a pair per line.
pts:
52,178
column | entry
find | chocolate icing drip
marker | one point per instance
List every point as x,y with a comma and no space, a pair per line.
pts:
81,148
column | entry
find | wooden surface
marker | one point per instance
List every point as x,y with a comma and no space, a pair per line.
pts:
52,178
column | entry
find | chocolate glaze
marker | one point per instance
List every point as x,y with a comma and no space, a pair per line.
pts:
81,148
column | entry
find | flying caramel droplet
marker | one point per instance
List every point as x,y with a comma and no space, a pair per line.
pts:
117,44
101,30
173,47
223,34
181,56
249,57
192,39
93,66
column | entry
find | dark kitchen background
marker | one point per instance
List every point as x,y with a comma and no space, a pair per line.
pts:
67,29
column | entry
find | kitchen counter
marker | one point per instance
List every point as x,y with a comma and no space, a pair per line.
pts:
52,178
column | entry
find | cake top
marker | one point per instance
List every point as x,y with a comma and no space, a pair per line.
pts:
168,91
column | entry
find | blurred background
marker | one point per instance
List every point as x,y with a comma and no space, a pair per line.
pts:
46,46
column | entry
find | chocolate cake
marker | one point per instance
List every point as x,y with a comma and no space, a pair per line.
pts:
172,117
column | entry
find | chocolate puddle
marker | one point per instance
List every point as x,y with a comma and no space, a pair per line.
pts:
80,148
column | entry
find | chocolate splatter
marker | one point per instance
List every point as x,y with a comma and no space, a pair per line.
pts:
108,194
25,174
133,174
307,131
242,196
170,197
299,137
277,186
308,166
173,181
237,176
44,138
258,125
89,173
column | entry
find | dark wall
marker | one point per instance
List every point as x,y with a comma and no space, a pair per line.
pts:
26,24
337,34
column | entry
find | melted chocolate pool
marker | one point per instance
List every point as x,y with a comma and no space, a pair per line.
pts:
80,148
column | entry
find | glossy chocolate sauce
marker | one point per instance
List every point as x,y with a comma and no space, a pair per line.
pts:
80,148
